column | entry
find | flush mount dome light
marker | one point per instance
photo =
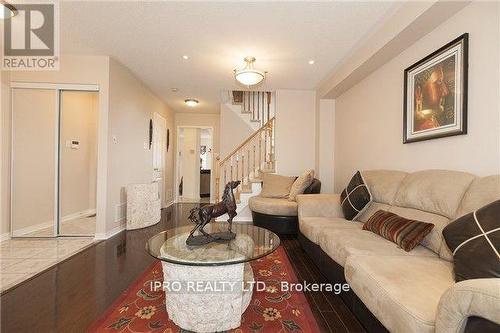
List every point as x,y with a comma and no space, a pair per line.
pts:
249,76
7,10
191,102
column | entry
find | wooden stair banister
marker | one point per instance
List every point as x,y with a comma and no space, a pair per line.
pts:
255,103
247,161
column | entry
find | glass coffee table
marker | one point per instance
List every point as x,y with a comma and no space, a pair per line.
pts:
208,287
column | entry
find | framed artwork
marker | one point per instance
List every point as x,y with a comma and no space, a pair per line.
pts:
435,94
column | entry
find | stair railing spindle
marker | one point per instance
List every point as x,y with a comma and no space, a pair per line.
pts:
231,169
237,163
260,152
242,169
254,159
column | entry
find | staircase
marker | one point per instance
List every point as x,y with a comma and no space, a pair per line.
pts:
254,156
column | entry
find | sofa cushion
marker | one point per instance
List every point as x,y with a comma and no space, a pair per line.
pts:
312,227
402,292
383,184
300,184
273,206
319,205
342,243
481,192
434,239
276,186
371,209
436,191
355,197
406,233
475,241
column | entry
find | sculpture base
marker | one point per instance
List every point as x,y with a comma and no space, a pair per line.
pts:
205,310
205,239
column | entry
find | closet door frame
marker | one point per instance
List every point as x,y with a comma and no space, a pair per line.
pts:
57,87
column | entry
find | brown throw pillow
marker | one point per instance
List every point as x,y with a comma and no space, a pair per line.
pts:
406,233
276,186
300,184
474,240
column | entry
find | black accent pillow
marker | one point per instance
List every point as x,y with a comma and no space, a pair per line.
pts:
355,197
474,240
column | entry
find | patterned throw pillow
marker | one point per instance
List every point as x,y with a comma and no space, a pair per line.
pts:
474,240
406,233
355,197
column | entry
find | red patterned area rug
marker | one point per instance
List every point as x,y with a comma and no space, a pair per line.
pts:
139,309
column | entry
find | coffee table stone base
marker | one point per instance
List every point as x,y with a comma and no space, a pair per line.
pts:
208,311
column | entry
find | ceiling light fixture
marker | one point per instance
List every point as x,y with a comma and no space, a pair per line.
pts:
248,75
191,102
174,89
185,57
311,62
7,10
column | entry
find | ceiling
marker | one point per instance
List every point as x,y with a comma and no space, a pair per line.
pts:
151,38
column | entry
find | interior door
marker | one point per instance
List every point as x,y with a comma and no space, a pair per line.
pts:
34,162
159,145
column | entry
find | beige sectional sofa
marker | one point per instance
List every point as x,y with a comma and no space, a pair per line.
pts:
279,214
406,291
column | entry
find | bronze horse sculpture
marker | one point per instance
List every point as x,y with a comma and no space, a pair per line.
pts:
201,216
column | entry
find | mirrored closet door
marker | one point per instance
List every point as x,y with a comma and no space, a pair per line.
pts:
77,163
54,162
34,163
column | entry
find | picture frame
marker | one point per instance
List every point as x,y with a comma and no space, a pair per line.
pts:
435,93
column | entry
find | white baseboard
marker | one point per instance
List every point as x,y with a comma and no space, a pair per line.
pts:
110,233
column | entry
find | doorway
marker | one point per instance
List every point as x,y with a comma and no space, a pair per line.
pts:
194,177
54,161
159,146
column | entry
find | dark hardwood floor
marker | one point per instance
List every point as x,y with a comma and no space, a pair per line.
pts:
70,296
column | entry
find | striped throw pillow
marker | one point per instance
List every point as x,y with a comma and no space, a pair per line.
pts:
406,233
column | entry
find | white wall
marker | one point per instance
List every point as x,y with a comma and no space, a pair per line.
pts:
131,106
234,130
326,144
369,116
295,137
190,154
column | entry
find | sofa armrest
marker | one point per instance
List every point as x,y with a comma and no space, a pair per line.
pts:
319,205
476,297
